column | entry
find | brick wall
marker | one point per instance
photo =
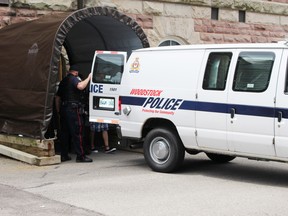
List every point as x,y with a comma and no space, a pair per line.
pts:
186,22
230,32
9,15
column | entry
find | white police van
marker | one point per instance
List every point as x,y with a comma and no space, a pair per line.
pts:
225,100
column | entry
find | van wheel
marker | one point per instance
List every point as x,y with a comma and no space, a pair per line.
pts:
163,150
220,158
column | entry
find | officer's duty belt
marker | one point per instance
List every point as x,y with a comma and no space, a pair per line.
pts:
71,103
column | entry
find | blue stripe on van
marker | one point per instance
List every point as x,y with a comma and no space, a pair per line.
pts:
136,101
216,107
204,106
253,110
226,108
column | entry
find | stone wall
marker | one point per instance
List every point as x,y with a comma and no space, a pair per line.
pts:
191,22
186,21
279,1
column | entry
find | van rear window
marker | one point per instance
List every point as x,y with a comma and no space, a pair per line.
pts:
253,71
108,68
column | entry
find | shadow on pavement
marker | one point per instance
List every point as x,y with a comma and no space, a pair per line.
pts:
240,169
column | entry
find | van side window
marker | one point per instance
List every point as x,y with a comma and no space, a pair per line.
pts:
216,71
286,80
108,68
253,71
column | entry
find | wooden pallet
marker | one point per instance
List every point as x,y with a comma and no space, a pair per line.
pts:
29,150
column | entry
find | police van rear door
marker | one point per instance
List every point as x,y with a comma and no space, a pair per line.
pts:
107,69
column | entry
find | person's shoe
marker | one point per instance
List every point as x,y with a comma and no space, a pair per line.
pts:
110,150
94,150
83,160
65,158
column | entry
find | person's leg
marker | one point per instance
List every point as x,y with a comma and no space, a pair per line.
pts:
86,138
92,135
92,138
105,139
64,136
76,130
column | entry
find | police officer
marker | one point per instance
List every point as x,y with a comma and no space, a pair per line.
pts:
70,108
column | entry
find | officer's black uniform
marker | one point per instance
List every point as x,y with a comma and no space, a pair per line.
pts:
71,114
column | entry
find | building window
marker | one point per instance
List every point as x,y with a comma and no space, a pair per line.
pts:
4,2
172,41
214,13
169,43
242,16
286,84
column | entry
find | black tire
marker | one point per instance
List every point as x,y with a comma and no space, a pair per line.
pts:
163,150
219,158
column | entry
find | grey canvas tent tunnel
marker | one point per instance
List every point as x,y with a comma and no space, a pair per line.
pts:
30,55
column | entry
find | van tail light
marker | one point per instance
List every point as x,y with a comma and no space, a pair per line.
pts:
119,103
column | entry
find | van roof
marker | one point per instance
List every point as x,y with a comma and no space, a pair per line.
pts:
276,45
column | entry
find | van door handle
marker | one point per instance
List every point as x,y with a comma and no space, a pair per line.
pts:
279,117
117,113
232,112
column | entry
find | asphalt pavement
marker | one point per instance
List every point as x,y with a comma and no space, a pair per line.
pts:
18,202
23,186
121,184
